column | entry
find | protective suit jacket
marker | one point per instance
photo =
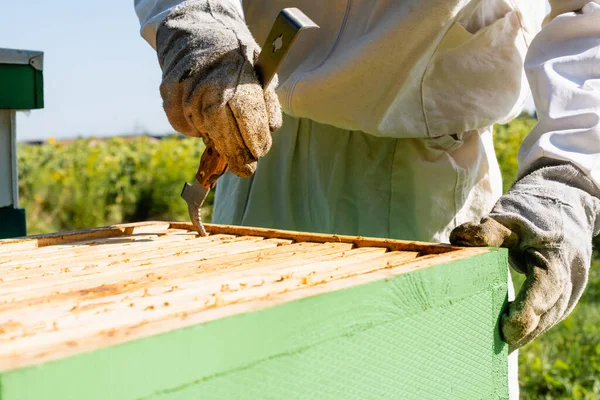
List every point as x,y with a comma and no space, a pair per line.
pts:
390,105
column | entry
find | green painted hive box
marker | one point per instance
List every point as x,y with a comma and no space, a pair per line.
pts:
152,311
21,79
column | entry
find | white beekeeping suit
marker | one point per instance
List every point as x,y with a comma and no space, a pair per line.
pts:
387,127
394,72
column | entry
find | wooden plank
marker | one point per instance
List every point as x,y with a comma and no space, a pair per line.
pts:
143,283
204,279
205,287
87,246
125,229
358,241
36,241
378,339
77,281
359,261
168,235
112,256
91,252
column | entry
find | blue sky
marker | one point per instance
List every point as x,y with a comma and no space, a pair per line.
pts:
101,77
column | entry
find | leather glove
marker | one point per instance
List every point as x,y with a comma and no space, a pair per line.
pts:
547,221
209,86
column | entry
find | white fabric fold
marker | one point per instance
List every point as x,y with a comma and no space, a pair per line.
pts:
563,69
416,68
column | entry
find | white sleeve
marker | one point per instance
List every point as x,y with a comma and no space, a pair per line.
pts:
152,12
563,69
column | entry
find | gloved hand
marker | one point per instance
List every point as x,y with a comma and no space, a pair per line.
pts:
209,86
547,221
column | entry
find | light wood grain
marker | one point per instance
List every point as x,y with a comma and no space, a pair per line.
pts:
79,291
390,244
96,247
37,241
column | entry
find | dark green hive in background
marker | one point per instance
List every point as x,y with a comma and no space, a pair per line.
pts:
21,88
21,79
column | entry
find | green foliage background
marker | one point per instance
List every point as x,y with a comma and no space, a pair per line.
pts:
88,183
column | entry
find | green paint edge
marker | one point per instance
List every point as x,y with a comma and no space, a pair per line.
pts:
39,89
21,87
12,222
227,358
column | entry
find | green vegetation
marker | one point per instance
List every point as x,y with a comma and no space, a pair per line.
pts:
565,362
507,139
89,183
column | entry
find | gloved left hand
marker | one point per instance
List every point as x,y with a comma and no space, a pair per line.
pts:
547,221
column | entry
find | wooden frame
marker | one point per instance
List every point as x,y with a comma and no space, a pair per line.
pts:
423,326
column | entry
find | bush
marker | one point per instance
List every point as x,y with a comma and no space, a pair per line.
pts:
88,182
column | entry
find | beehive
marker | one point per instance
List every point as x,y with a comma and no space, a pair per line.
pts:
152,311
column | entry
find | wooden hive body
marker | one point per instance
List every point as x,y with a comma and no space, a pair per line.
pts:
151,311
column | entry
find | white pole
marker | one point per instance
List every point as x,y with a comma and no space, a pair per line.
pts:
9,179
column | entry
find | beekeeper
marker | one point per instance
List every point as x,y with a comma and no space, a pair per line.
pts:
387,122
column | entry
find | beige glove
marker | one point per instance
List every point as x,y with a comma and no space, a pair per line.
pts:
210,88
547,221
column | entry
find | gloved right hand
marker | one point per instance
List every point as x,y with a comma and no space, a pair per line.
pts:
210,88
546,220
